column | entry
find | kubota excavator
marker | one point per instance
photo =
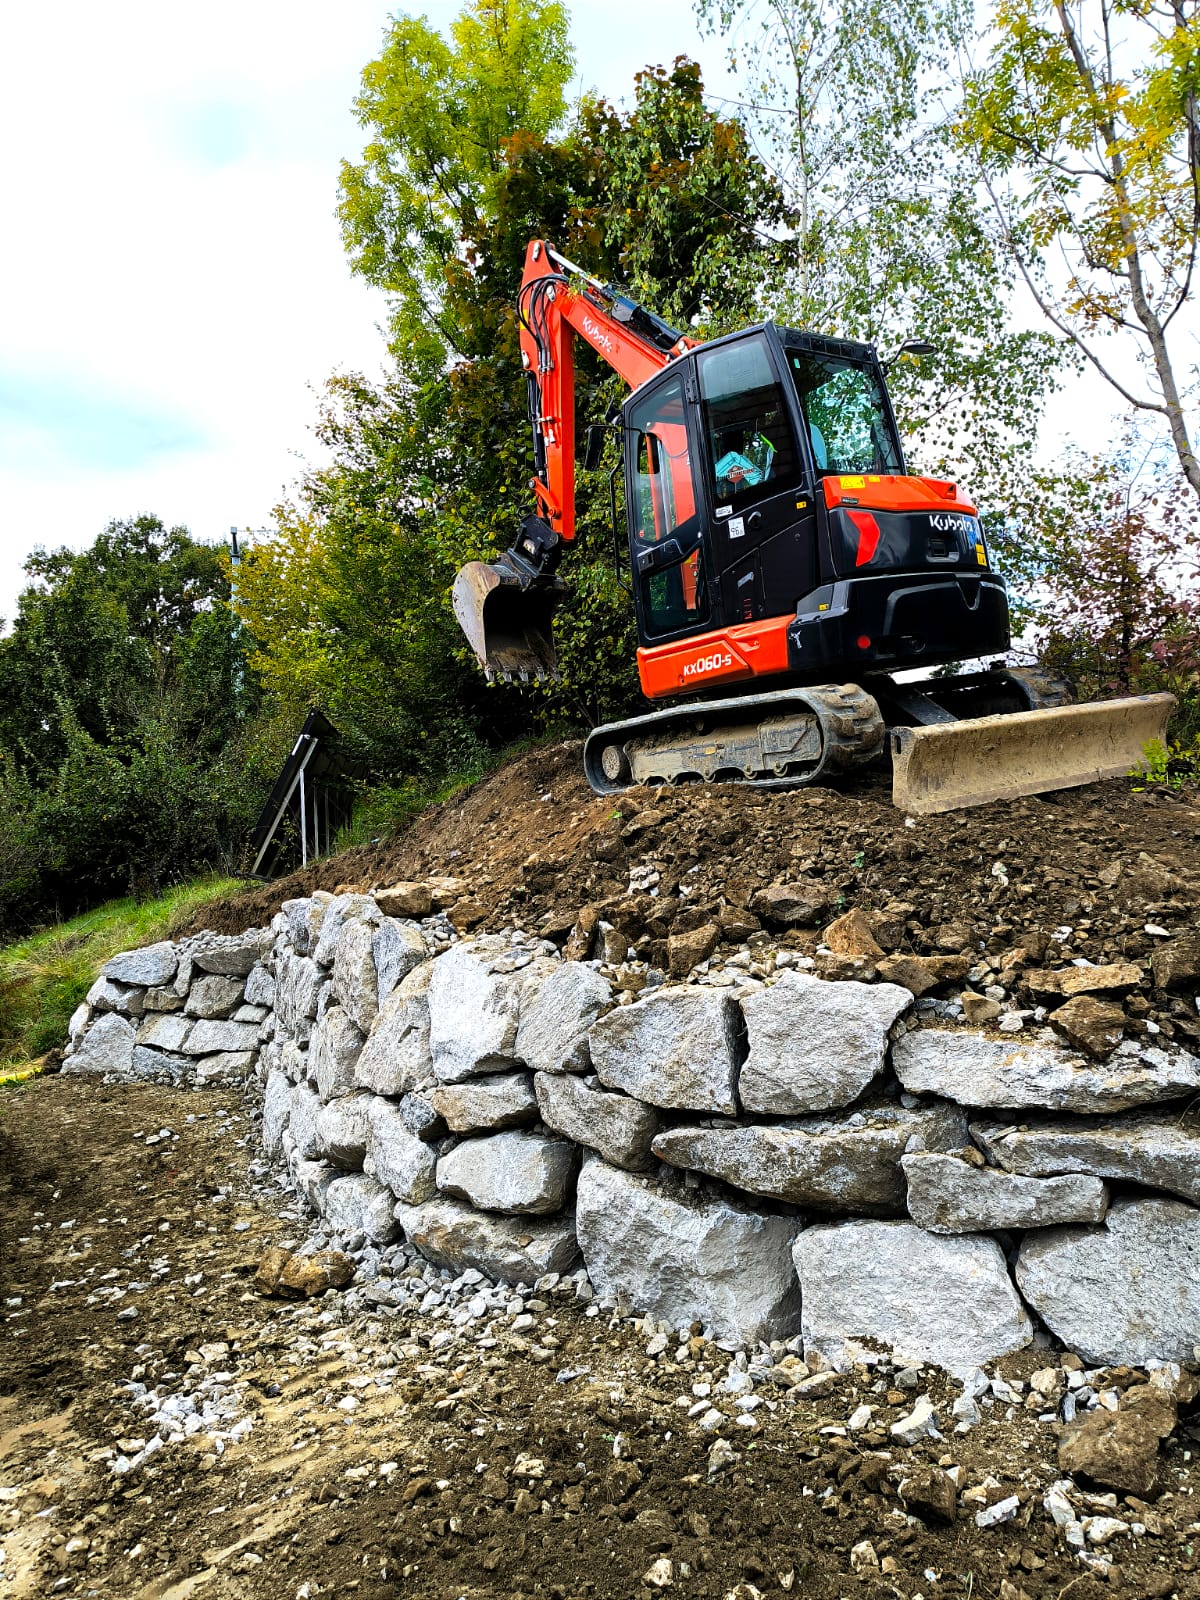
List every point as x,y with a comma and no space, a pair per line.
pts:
784,565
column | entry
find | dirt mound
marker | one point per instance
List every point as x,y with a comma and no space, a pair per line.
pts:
1076,874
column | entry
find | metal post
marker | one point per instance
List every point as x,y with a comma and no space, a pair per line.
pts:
303,824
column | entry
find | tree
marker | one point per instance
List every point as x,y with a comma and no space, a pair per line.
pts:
439,114
132,747
349,603
1117,551
850,104
1084,121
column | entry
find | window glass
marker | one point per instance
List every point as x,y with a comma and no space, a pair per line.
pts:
752,451
664,508
844,411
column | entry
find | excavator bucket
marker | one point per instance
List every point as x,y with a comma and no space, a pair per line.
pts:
951,765
508,621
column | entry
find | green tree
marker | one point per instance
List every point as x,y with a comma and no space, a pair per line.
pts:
1084,122
130,741
349,603
439,113
851,103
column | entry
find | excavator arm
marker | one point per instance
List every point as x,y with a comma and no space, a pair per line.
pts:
506,607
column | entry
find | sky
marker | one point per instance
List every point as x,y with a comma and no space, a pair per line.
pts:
173,287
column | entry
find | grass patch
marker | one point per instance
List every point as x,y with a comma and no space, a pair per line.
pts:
45,976
388,808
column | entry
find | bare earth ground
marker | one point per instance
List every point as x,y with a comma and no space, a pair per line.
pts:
379,1466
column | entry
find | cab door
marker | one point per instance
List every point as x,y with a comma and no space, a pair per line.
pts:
759,508
668,552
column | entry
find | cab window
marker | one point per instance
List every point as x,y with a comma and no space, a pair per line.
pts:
845,415
751,448
663,512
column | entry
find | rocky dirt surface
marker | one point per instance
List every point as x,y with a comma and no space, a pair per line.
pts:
1108,875
168,1431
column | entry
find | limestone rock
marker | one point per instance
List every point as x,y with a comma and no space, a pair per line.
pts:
150,966
947,1195
978,1071
1113,1450
399,948
230,955
298,985
107,995
420,1118
161,1066
852,935
288,1276
1175,964
677,1048
521,1174
815,1045
207,1038
473,1014
800,903
214,996
405,900
164,1030
681,1256
509,1249
312,1180
1116,978
360,1204
302,1123
342,908
827,1163
260,988
277,1109
946,1301
226,1067
355,982
297,924
162,998
1126,1292
1161,1152
1090,1024
920,974
688,950
396,1057
333,1054
616,1126
486,1105
398,1157
555,1016
107,1046
343,1129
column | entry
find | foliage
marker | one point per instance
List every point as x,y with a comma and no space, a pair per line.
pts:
131,747
1114,542
850,102
349,602
1175,765
439,114
44,977
1084,122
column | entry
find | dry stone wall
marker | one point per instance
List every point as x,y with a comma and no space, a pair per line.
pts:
772,1154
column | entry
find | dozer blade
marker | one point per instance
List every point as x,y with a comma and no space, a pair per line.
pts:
508,622
951,765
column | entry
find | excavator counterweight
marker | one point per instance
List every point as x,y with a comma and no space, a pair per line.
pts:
787,573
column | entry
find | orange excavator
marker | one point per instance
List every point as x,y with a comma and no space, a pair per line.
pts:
784,568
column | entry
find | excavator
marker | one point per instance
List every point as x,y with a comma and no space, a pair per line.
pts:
788,573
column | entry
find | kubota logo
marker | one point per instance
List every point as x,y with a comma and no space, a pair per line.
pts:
597,335
712,663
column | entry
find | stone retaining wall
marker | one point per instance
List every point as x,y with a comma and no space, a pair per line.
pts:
772,1154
